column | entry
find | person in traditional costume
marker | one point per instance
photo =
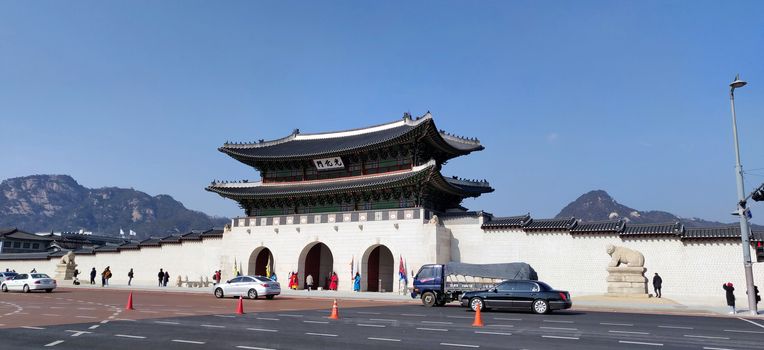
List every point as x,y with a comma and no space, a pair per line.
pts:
357,282
333,281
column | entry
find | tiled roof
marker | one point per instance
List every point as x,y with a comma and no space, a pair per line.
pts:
107,248
24,256
212,233
12,232
508,222
732,231
609,226
170,239
550,224
653,229
298,145
150,242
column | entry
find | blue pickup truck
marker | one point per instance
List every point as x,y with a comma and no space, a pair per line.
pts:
438,284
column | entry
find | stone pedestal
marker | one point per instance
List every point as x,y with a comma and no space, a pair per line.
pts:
627,281
64,271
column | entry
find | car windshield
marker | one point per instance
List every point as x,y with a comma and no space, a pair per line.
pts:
39,275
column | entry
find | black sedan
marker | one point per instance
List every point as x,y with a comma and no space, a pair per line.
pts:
535,296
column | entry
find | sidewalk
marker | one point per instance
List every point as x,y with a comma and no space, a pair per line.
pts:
584,302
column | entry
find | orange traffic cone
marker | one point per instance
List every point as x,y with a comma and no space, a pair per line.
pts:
240,307
335,311
478,319
129,305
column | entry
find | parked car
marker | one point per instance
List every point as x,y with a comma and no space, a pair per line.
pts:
535,296
7,275
248,286
27,282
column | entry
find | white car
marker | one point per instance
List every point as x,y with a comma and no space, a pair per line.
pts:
27,282
248,286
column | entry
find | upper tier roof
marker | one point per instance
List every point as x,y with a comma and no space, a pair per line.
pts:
252,190
307,146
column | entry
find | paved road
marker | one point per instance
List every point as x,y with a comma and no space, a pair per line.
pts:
95,319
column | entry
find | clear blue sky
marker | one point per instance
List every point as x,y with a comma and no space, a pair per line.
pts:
567,97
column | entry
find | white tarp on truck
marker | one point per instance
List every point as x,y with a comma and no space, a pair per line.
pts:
508,271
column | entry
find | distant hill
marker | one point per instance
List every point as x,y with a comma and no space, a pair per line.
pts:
598,205
44,203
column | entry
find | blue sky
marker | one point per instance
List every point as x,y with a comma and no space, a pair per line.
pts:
570,96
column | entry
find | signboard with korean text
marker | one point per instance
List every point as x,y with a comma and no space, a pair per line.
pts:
329,163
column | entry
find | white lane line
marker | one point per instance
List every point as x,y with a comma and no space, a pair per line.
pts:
55,307
212,326
500,325
493,333
319,322
560,328
371,325
414,315
251,347
104,321
321,334
639,343
188,341
464,317
51,315
556,321
711,348
54,343
627,332
617,324
94,326
507,319
382,319
559,337
737,331
437,322
675,327
130,336
32,327
77,334
166,322
751,322
267,318
460,345
433,329
382,339
120,319
86,316
290,315
704,337
262,330
227,316
368,313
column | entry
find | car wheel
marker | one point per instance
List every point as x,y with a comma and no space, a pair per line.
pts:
269,297
48,290
477,303
219,292
428,299
540,306
26,288
252,294
5,288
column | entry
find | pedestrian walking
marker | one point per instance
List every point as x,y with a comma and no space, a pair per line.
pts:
160,275
93,273
756,293
730,289
657,282
105,275
309,282
333,281
130,277
166,278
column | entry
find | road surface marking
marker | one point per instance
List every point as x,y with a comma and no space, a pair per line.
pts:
507,319
494,333
32,327
627,332
228,316
319,322
78,333
751,322
460,345
188,341
675,327
148,311
639,343
166,322
414,315
290,315
437,322
383,339
382,319
94,326
617,324
252,347
500,325
54,343
86,308
86,316
322,334
368,313
465,317
120,319
710,348
212,326
105,321
556,321
56,307
433,329
130,336
262,330
703,336
267,318
733,330
560,328
559,337
52,315
371,325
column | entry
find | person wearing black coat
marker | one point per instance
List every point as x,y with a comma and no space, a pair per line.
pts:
657,282
93,273
730,290
160,275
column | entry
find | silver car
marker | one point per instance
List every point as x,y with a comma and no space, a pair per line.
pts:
248,286
27,282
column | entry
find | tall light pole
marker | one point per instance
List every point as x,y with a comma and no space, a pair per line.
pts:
741,206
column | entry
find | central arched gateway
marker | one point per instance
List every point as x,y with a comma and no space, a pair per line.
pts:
259,261
316,260
378,267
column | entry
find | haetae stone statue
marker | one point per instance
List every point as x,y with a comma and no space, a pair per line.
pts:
626,272
65,267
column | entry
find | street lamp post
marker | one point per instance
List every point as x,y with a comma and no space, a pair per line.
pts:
741,206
